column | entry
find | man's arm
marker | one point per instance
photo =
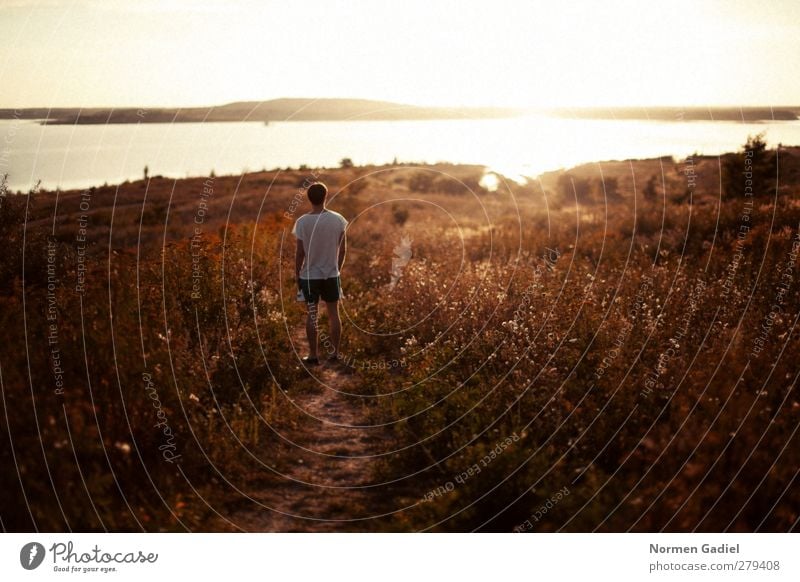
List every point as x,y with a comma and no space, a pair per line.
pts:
342,249
299,256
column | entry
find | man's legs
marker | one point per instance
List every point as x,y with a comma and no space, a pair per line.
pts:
335,327
311,329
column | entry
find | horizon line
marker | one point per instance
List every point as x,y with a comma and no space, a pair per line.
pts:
416,106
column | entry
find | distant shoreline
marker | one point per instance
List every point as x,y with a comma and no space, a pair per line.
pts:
681,114
276,110
285,110
547,176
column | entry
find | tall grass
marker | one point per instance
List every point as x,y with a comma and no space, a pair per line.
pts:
614,349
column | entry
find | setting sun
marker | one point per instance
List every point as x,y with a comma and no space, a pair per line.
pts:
544,54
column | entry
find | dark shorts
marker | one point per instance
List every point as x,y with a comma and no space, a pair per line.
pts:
314,289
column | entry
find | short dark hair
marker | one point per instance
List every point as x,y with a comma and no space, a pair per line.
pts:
317,193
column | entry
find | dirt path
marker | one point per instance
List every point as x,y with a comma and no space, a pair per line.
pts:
325,461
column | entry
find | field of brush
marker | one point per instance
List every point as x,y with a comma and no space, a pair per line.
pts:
613,347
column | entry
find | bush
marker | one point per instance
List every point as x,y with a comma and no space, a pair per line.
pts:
752,171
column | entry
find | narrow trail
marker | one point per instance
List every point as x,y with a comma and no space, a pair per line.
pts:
325,462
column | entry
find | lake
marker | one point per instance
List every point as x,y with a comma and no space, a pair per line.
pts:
78,156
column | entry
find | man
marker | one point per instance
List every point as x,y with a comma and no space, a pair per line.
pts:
319,257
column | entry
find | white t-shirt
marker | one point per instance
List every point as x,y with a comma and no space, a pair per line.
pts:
320,234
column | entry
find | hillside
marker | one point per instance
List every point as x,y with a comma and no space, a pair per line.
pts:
578,353
306,109
273,110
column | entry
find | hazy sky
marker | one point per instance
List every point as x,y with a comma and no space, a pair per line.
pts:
542,53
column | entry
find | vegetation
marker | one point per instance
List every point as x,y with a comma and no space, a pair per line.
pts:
752,171
624,363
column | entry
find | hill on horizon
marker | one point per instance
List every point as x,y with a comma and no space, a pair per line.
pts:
346,109
283,109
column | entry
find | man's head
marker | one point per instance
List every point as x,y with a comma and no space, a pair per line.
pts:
316,193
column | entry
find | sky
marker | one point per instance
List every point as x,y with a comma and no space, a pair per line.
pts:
85,53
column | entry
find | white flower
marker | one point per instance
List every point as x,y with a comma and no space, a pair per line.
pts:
123,447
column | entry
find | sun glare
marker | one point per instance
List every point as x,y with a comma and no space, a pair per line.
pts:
520,54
